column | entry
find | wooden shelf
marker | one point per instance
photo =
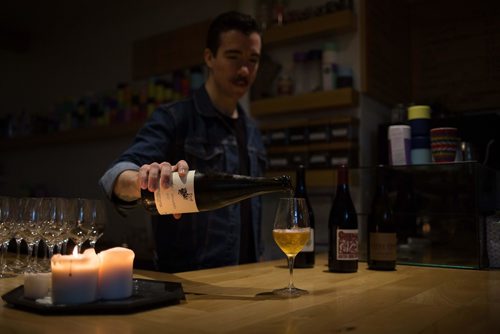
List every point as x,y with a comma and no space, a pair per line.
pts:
335,146
339,98
332,120
339,22
71,136
315,178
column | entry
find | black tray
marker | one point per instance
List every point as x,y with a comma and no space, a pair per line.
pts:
147,294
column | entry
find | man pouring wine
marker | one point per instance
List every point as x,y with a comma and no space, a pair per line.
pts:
207,132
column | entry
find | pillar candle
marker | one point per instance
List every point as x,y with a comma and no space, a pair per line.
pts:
75,277
36,285
115,273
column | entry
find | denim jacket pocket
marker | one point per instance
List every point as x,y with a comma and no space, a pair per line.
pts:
204,158
258,162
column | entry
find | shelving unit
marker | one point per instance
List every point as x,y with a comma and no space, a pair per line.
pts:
339,98
338,22
308,110
74,136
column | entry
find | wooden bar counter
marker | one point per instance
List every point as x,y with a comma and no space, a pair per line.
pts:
238,300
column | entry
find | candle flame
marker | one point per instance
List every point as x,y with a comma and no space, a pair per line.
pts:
75,251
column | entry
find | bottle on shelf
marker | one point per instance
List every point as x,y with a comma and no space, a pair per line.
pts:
299,72
305,259
203,192
382,239
329,66
343,228
314,70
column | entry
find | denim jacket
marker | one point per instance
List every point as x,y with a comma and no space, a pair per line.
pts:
193,130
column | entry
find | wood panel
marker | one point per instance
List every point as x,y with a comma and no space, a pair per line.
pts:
385,50
173,50
456,54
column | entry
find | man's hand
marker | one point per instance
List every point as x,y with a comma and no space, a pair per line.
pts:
129,183
152,175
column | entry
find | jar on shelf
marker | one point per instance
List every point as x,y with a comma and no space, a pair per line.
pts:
314,71
299,72
329,66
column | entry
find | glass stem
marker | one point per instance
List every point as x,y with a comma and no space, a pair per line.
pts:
29,256
64,247
50,250
291,260
3,249
35,252
18,248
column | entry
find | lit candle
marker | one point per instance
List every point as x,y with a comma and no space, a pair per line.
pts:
115,273
36,285
75,277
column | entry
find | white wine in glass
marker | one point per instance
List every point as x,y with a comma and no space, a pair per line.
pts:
291,232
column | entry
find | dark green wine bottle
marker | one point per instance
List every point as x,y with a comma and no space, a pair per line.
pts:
382,240
203,192
305,259
343,228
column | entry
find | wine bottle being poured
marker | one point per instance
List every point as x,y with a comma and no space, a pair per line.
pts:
203,192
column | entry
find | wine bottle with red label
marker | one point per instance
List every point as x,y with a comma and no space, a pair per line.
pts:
343,228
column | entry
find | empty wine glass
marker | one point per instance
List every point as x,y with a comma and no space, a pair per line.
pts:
97,222
291,232
69,220
14,221
54,224
30,226
81,232
5,234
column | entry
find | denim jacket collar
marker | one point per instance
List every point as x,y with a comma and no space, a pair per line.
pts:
205,107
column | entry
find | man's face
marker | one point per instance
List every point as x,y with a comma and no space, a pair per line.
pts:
234,67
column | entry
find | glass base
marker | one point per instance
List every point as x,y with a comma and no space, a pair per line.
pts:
7,275
290,292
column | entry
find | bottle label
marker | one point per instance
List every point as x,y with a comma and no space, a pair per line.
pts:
347,244
179,197
309,247
383,246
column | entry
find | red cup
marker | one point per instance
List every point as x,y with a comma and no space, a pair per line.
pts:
444,144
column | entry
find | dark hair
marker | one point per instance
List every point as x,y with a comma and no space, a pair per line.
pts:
231,20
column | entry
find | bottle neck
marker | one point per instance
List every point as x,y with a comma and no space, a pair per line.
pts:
300,187
343,176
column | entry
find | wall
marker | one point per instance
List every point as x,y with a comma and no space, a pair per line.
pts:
75,51
86,48
89,50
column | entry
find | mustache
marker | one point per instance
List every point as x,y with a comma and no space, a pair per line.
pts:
240,78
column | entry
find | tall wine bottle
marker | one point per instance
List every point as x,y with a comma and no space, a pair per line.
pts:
305,259
203,192
343,228
382,240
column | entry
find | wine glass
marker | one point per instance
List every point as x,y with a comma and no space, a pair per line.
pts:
54,224
97,222
291,232
5,233
81,232
30,227
68,220
14,221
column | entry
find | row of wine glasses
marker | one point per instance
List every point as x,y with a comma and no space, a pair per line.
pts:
53,220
